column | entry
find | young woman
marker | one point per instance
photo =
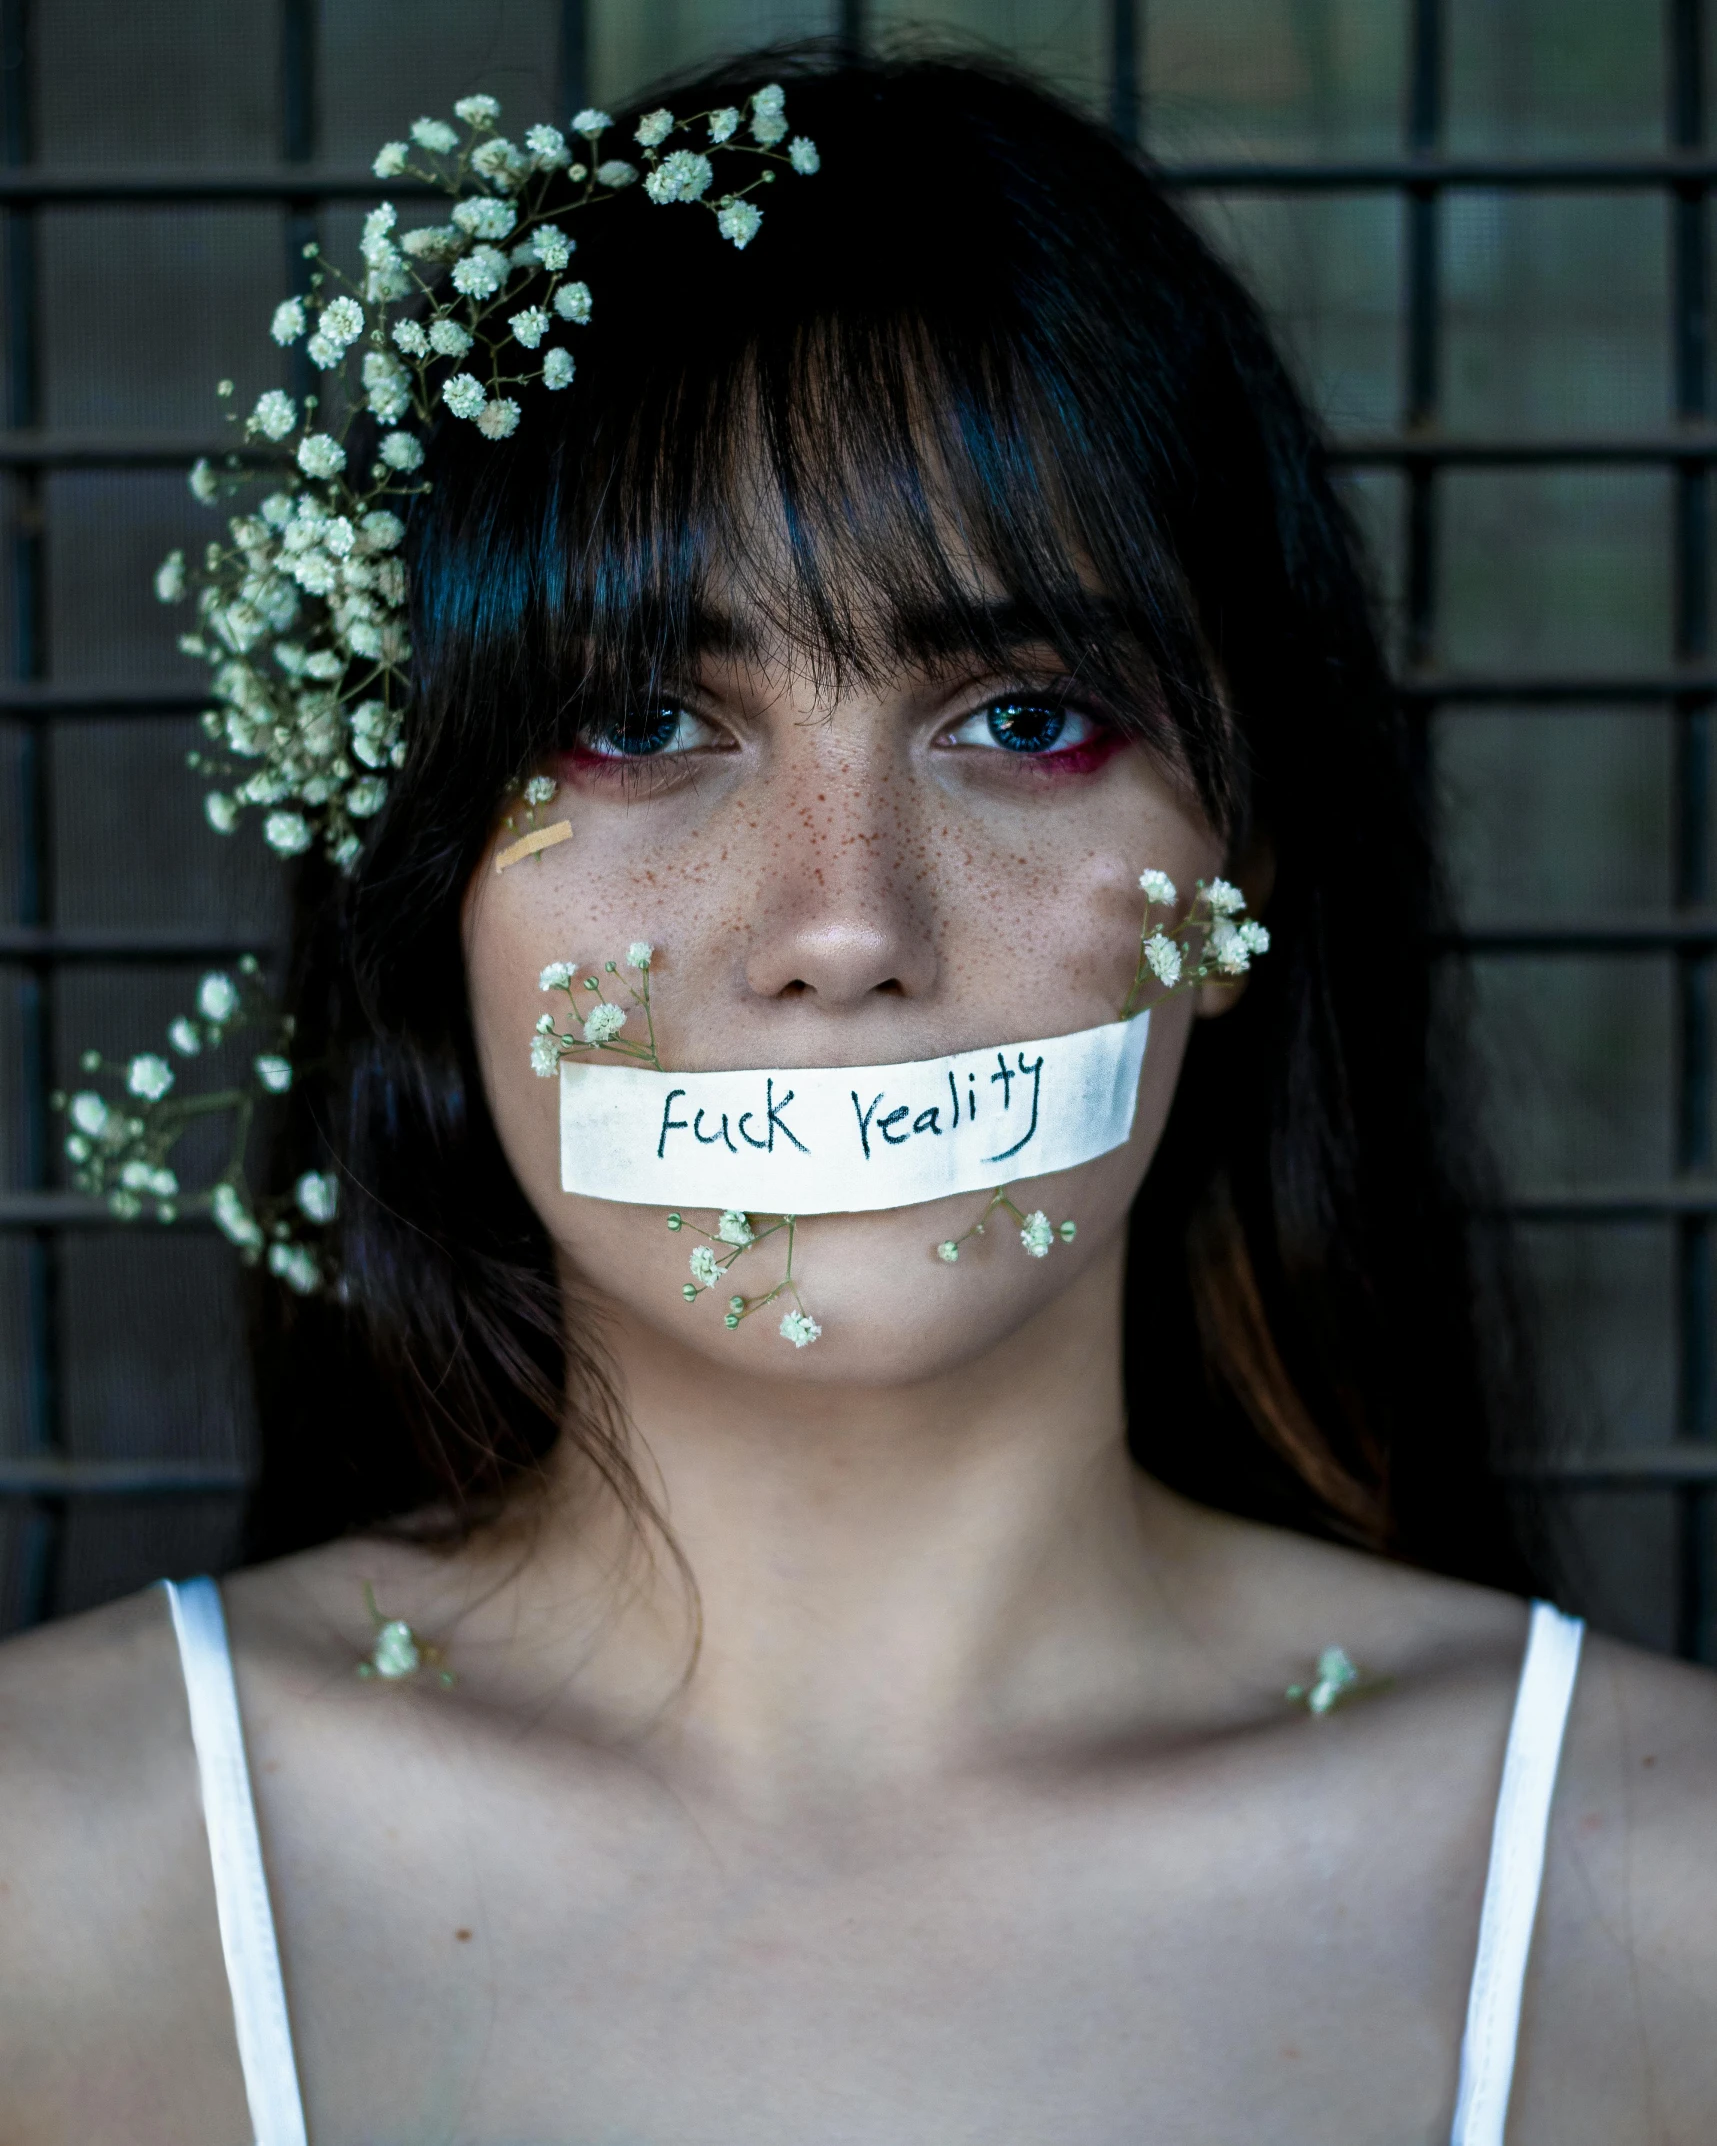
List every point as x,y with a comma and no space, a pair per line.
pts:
882,1740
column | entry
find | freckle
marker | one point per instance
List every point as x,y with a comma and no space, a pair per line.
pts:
1591,1823
464,1936
1289,2051
1652,1761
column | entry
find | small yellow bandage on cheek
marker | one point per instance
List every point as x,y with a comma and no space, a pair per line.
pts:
528,845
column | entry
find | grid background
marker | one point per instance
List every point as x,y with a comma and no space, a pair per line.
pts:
1481,227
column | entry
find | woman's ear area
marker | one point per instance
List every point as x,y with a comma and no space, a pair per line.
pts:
1255,876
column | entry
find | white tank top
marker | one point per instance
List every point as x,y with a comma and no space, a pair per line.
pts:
264,2032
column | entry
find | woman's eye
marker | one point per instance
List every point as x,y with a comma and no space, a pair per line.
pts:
1025,726
649,734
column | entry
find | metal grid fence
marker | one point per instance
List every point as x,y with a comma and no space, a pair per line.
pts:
46,1480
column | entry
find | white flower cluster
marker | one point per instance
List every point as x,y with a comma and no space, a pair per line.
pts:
734,1235
119,1149
302,610
600,1027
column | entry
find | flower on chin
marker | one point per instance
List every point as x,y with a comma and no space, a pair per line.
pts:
733,1228
604,1024
800,1329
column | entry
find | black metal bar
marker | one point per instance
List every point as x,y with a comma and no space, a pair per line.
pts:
1638,1468
60,1479
1126,38
572,60
40,943
28,447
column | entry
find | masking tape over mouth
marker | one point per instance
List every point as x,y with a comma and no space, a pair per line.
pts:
815,1140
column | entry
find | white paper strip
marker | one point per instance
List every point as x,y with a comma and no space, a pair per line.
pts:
818,1140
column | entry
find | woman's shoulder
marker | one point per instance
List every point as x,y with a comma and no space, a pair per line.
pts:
112,1989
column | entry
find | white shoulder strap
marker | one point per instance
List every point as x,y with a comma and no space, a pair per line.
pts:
1515,1876
241,1885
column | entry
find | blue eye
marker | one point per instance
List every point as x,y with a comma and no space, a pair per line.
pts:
1025,726
649,734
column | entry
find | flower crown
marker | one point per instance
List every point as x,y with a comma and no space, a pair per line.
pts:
302,611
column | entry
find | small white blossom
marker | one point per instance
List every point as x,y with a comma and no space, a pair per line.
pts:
654,128
366,798
640,954
604,1024
220,812
547,146
545,1024
1225,900
149,1076
529,327
498,420
1255,937
1337,1675
540,789
320,455
740,222
296,1267
616,172
463,394
682,175
323,352
480,274
948,1250
768,122
401,451
390,160
89,1113
396,1652
435,135
435,242
477,111
723,125
590,122
274,1072
545,1057
184,1037
552,247
233,1219
288,322
380,530
408,336
274,416
388,394
1037,1236
572,302
447,339
557,976
204,484
286,833
318,1195
802,155
500,162
733,1228
557,369
482,216
170,578
706,1268
341,321
1164,957
800,1329
1158,887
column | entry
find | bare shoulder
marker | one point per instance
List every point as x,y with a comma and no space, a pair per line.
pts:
112,1991
1623,1989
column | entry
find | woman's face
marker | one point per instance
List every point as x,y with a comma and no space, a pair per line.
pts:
938,864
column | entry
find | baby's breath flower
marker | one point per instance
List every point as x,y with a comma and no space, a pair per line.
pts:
723,125
1037,1236
1255,937
447,339
170,578
802,155
380,530
318,1195
733,1228
234,1219
89,1113
217,997
274,416
286,833
557,976
390,160
296,1267
547,146
323,353
366,798
320,455
408,336
477,111
435,135
500,162
768,122
396,1653
740,222
274,1072
184,1038
1158,887
480,274
590,122
288,322
640,954
342,321
616,173
435,242
572,302
484,217
463,394
552,247
604,1024
149,1076
948,1250
401,451
545,1056
706,1268
540,789
682,175
1224,898
529,327
220,812
1164,957
388,395
557,369
205,486
498,420
800,1329
654,128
